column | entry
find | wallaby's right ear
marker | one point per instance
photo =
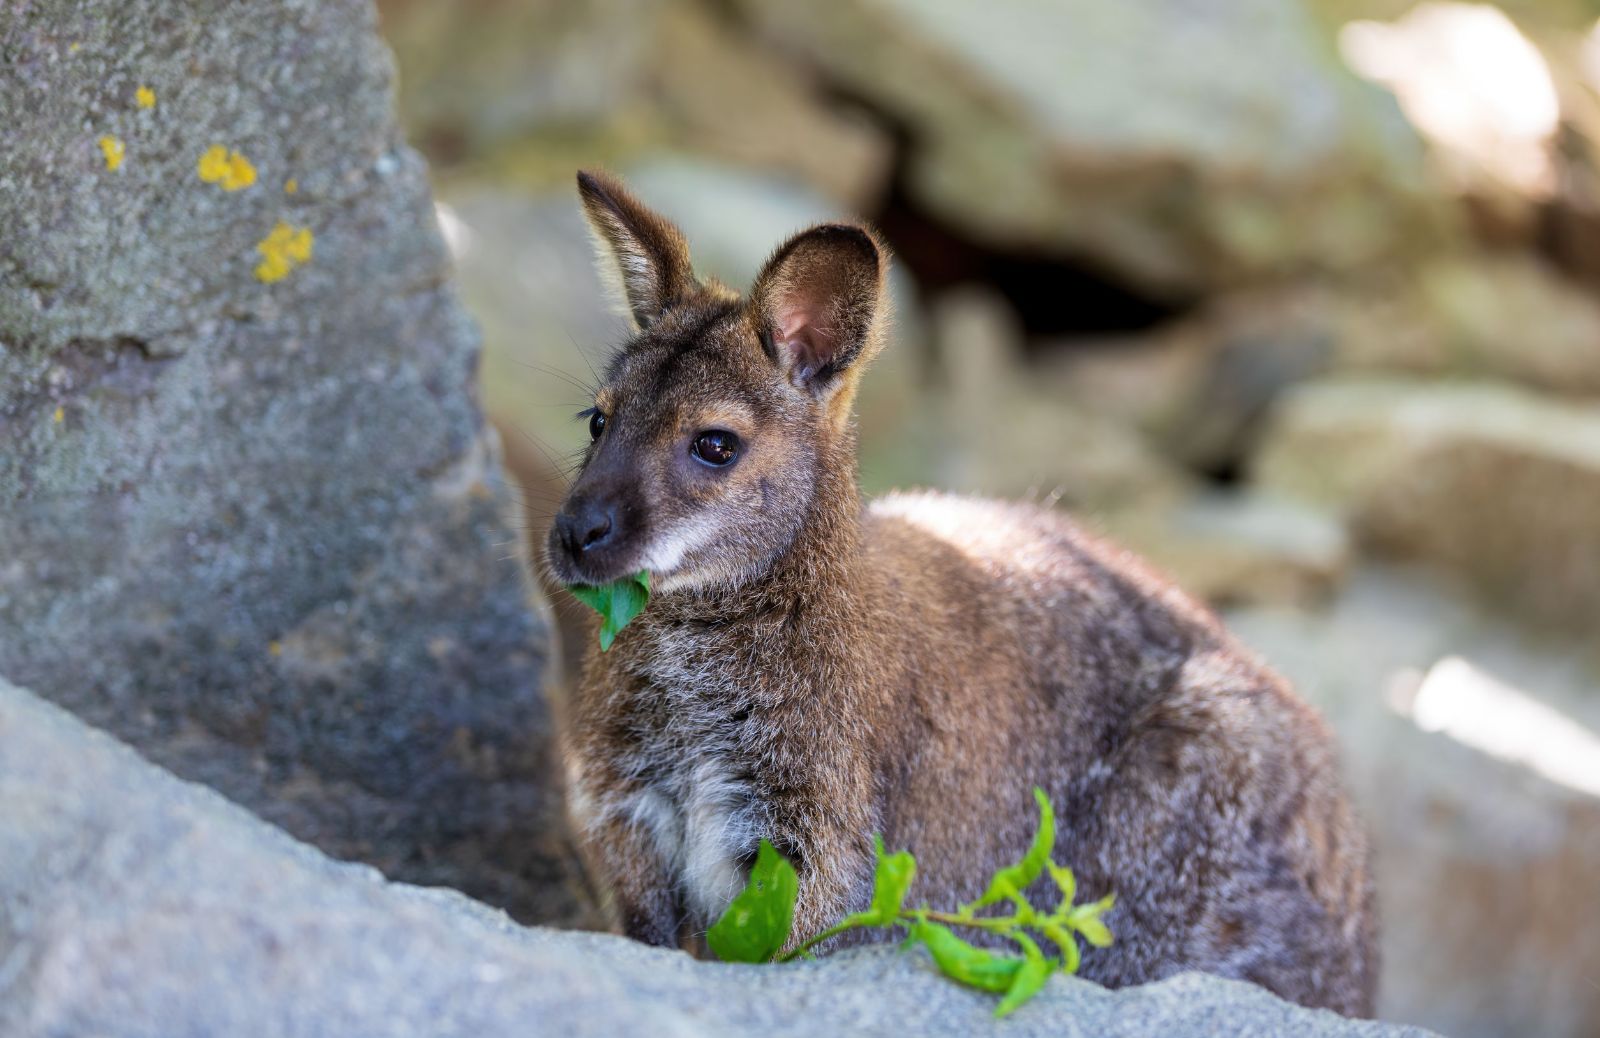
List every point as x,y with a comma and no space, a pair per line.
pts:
641,251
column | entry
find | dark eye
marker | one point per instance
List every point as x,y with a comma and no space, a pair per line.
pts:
597,424
715,447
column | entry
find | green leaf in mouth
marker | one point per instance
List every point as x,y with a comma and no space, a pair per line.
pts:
617,603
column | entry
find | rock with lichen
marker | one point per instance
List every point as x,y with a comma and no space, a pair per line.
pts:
251,519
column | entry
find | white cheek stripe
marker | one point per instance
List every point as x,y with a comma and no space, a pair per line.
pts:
667,552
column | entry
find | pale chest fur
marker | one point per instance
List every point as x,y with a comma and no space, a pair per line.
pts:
693,795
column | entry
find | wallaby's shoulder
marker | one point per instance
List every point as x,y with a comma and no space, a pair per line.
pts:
1022,548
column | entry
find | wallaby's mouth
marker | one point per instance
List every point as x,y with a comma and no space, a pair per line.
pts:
594,566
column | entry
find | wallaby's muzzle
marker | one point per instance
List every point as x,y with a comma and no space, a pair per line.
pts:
595,538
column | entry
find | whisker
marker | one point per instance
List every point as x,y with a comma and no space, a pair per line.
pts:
587,389
584,356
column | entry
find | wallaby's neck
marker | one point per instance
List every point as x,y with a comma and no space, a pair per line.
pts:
824,559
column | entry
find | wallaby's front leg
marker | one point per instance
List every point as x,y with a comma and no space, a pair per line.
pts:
824,899
835,868
622,855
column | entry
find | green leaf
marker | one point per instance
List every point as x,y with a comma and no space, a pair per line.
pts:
890,883
1102,906
1011,882
1029,979
756,925
1065,881
1086,920
1063,939
960,961
617,603
1095,932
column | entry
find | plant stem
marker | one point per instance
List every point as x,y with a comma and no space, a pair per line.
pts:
840,927
998,924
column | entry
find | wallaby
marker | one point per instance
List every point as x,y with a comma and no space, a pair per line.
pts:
813,671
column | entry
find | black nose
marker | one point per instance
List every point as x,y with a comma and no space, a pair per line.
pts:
585,525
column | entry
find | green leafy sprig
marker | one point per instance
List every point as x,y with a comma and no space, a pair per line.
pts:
756,925
617,603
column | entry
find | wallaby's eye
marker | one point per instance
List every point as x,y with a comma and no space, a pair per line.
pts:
716,447
597,424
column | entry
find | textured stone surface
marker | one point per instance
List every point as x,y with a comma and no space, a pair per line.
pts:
1199,386
255,528
1183,145
1497,484
477,72
134,905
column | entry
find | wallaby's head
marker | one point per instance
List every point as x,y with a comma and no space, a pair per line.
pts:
715,423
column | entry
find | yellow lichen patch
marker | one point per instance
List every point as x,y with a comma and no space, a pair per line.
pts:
60,415
233,171
213,164
290,186
282,250
113,150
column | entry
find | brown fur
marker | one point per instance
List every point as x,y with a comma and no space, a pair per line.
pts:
813,671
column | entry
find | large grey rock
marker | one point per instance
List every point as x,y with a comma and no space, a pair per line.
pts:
1200,386
255,527
528,89
134,905
1481,790
1234,549
997,432
1504,316
1497,484
1183,145
478,72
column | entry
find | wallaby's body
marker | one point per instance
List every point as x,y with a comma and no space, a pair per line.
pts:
813,672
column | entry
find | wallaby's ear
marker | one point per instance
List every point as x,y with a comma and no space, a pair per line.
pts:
640,249
820,303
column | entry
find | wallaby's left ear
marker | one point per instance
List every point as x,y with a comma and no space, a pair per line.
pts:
640,247
820,302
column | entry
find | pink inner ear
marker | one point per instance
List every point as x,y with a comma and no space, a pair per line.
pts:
807,348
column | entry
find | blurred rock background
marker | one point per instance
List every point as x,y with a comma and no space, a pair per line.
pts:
1298,298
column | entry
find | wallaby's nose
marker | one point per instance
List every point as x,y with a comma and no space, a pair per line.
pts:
587,525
